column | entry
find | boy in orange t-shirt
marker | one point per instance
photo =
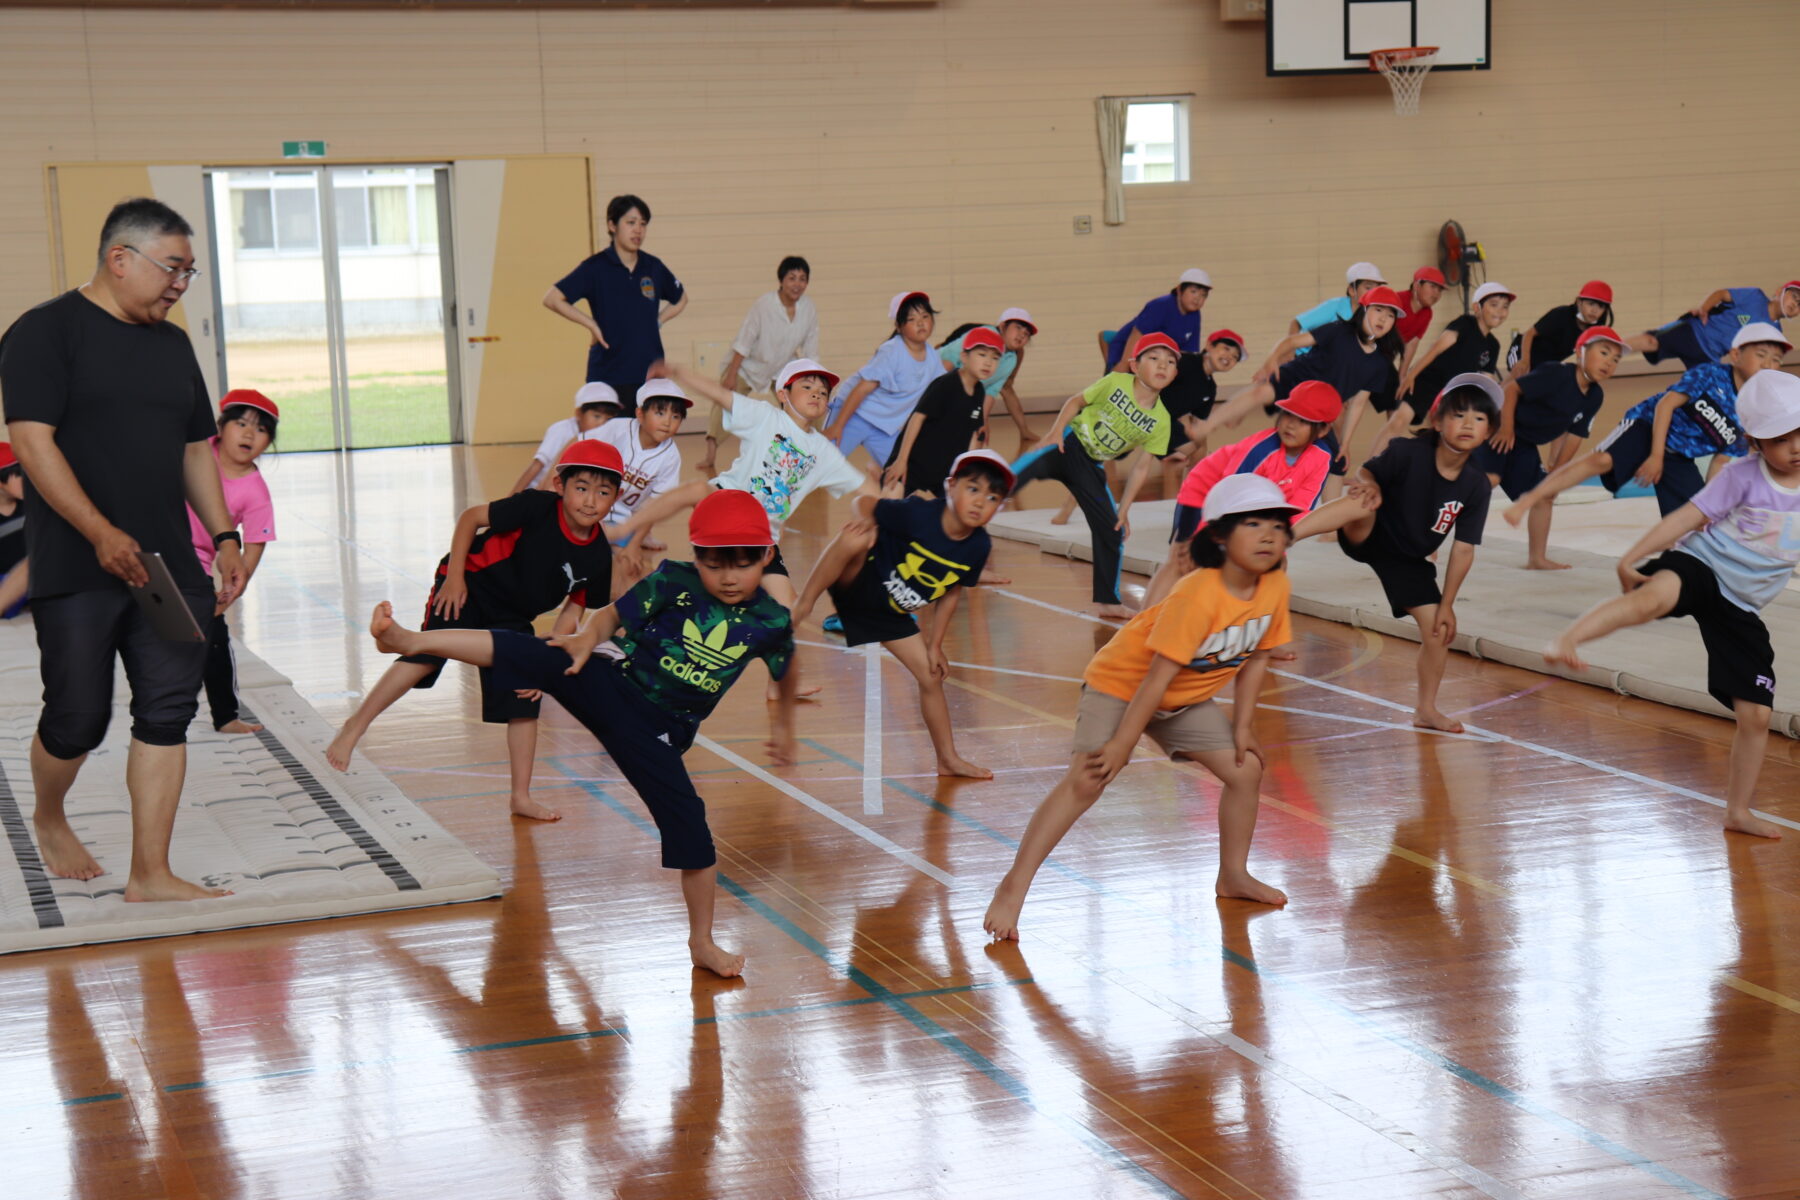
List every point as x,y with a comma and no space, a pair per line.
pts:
1159,674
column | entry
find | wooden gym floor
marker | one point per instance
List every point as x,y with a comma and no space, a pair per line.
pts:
1513,966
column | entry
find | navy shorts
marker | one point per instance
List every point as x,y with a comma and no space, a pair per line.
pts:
1629,445
645,742
867,616
1677,339
1520,469
498,705
1740,661
1187,522
1407,582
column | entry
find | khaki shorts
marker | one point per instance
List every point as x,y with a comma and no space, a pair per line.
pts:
715,419
1196,729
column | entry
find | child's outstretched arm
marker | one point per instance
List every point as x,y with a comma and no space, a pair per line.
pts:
526,476
1140,471
1111,758
1349,419
1524,363
1703,310
649,512
579,645
1445,340
693,382
1244,690
781,718
1651,470
937,622
914,423
1462,557
834,432
1065,414
455,589
1657,538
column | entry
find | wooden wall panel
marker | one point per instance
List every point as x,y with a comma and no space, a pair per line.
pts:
950,146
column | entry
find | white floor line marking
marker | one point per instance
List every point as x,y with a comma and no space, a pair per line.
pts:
886,845
871,783
1471,732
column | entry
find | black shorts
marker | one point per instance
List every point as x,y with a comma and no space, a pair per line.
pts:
1677,339
79,635
867,616
645,743
498,706
777,564
1740,661
1408,582
1340,462
1629,445
1187,522
1520,469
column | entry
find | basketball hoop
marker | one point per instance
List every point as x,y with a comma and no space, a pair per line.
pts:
1405,68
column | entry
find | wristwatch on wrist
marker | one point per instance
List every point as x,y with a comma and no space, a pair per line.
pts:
230,535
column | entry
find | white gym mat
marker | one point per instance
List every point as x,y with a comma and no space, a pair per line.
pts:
262,814
1505,612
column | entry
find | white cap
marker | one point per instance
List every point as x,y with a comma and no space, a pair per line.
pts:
596,393
803,366
662,387
1760,331
1493,289
901,298
1364,270
1195,275
1019,315
1768,405
994,457
1474,379
1242,494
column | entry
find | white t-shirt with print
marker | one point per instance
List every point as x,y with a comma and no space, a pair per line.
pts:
647,472
559,434
779,463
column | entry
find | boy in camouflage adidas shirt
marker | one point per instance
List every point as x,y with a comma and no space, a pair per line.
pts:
688,630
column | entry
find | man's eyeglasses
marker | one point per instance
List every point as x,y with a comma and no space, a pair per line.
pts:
179,274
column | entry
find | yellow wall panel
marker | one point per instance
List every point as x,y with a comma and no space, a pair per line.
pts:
84,193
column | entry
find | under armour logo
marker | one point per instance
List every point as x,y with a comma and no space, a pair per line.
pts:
664,739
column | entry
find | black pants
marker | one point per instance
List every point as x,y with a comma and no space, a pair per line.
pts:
1086,481
79,634
221,674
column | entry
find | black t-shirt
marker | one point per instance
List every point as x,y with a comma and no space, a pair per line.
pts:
1551,404
1418,505
1338,358
914,561
1555,336
126,401
527,561
1474,350
952,416
1191,393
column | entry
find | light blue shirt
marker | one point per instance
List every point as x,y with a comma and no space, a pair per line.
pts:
1009,360
899,379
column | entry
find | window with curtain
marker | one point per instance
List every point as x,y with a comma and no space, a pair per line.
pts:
390,216
1156,141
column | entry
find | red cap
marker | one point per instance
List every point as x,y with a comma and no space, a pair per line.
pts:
1601,333
1601,293
249,398
592,454
7,457
729,517
1385,297
1429,275
1153,341
1226,335
1792,285
981,335
1314,400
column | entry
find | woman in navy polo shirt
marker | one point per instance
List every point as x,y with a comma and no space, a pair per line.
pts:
1176,313
625,290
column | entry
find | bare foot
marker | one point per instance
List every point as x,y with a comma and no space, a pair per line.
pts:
390,638
962,768
239,727
63,854
1114,612
168,886
1061,518
722,963
1545,564
991,579
1431,718
1515,513
1002,919
525,806
1564,651
1246,886
651,543
1755,826
341,748
805,693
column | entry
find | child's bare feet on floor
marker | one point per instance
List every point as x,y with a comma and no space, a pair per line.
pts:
1002,919
962,768
239,727
806,692
1753,825
341,748
1431,718
525,806
722,963
1545,564
1245,886
63,854
992,578
1114,612
1563,651
168,886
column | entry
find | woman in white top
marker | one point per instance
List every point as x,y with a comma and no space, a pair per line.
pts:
781,326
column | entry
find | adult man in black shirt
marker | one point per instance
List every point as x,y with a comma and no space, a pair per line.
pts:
109,416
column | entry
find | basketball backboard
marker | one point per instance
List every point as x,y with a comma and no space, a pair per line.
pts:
1334,37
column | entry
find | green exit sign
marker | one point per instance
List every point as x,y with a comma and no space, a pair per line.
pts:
303,149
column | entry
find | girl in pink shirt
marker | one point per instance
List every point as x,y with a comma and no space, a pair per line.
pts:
1288,454
247,421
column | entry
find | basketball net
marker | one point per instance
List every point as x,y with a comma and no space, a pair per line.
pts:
1405,69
